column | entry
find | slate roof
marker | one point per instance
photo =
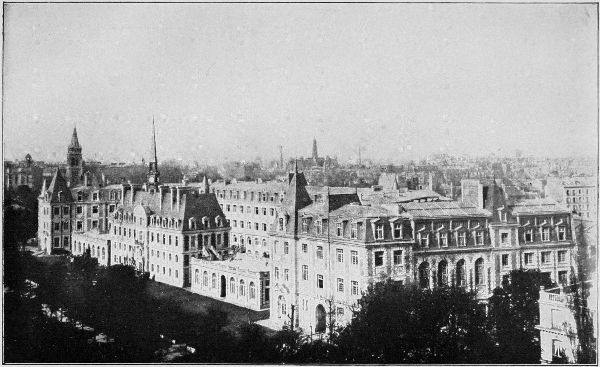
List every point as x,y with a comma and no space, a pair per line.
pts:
537,206
442,209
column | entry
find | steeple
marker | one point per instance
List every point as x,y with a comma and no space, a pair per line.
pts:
74,139
315,152
153,174
74,160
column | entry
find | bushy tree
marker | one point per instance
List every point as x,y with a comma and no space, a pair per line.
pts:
513,316
404,324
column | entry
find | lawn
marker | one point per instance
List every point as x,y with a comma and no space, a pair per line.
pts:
196,304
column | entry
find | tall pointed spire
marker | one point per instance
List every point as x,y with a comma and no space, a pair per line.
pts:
315,152
153,174
74,139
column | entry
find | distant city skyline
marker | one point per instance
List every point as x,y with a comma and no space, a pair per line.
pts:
235,81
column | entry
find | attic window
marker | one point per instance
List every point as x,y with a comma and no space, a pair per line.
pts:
192,223
205,222
79,196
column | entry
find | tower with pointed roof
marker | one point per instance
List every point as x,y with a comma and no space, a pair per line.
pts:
74,161
315,152
54,215
153,173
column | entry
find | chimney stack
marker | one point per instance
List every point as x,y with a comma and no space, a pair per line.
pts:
160,197
171,200
178,195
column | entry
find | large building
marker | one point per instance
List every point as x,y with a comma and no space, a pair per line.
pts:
578,194
23,173
327,248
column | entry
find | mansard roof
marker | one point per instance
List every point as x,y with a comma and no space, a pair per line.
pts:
442,209
537,206
59,184
357,211
191,204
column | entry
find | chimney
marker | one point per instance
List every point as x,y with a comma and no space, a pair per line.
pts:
160,197
178,194
171,200
122,194
430,183
132,192
85,179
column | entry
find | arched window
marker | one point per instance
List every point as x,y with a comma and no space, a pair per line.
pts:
197,276
321,316
264,242
479,278
442,274
214,281
242,288
176,258
249,240
424,275
234,238
103,253
205,279
252,290
232,285
461,279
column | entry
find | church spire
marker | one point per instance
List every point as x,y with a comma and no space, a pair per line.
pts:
153,174
315,152
74,139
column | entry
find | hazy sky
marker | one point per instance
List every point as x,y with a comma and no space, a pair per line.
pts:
233,81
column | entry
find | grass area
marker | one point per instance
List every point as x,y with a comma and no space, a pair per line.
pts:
196,304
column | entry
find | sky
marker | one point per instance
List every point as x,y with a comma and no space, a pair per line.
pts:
235,81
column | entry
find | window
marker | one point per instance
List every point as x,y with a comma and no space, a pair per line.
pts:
305,225
561,233
319,226
562,256
479,272
379,232
378,258
319,281
94,224
353,230
94,209
424,239
338,229
354,257
444,239
213,282
80,196
242,288
272,211
252,290
504,260
79,209
546,257
232,285
320,252
462,239
280,224
256,210
79,225
57,226
276,273
286,275
95,196
304,248
111,208
528,236
354,284
398,257
340,311
557,348
256,226
304,272
562,277
398,230
528,258
339,255
545,234
56,211
504,238
286,248
340,285
65,210
264,227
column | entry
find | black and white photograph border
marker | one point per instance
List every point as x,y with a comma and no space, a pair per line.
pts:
300,182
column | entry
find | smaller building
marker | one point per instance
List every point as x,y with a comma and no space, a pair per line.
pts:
240,280
560,326
98,245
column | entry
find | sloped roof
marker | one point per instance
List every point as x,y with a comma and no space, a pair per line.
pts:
442,209
352,211
537,206
59,184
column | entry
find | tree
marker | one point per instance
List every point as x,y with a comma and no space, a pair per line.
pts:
513,316
404,324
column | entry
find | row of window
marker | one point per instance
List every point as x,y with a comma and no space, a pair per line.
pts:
241,285
234,209
257,226
320,282
113,195
544,232
164,271
545,257
444,238
578,200
578,191
245,195
248,240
